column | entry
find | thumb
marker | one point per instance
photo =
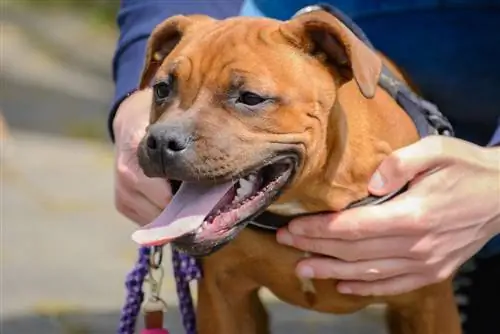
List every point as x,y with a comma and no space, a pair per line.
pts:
402,165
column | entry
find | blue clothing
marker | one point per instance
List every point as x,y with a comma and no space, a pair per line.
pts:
450,49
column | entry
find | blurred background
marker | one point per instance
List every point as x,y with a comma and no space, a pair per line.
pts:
65,251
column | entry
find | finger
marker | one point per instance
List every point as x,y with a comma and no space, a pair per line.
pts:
128,212
134,216
130,174
386,287
131,118
155,189
404,164
126,172
145,208
135,206
364,249
398,217
368,271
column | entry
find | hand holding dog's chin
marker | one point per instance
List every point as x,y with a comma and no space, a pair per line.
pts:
138,197
420,237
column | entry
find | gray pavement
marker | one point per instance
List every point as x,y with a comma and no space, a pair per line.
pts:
55,73
64,249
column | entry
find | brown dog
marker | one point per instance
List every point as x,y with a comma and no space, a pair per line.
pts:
258,114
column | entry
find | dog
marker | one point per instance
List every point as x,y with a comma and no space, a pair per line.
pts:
254,115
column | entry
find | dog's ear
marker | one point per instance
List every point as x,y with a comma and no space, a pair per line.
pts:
164,38
321,31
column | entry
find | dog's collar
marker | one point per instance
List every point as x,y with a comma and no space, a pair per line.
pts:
425,115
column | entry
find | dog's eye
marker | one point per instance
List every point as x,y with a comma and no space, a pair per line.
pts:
250,99
162,90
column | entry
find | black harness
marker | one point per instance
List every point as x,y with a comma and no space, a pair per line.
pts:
426,116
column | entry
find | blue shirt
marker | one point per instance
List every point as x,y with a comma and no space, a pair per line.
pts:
450,48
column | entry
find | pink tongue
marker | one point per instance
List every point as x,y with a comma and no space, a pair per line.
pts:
185,213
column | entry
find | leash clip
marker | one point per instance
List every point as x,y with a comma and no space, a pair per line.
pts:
156,257
155,276
155,307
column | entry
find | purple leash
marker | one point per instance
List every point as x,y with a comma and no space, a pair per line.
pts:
186,269
135,296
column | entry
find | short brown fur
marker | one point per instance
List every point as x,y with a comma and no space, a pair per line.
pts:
345,124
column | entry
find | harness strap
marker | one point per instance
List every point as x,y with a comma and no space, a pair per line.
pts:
426,116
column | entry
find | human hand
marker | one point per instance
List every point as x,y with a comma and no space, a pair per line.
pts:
138,197
450,211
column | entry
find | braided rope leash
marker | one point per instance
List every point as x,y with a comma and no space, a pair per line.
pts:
186,269
135,295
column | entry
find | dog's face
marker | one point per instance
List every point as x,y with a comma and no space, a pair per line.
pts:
241,106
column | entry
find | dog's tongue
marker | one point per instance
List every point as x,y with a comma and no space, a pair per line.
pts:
185,213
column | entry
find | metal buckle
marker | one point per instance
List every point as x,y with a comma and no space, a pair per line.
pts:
307,9
155,268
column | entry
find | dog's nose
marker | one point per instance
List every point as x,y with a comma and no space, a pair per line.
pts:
167,141
170,144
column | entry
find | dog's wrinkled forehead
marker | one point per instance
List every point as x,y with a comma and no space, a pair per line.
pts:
214,64
229,53
205,46
252,44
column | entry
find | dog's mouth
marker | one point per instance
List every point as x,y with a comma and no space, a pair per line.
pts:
213,214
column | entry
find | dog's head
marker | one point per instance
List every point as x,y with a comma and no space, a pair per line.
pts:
240,112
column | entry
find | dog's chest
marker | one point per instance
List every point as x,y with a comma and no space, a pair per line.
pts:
288,208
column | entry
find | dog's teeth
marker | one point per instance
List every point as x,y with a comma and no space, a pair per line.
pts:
240,192
245,184
245,188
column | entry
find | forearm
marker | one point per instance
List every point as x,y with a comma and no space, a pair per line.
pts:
136,19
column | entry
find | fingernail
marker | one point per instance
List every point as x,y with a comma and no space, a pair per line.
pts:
285,238
377,181
344,289
305,272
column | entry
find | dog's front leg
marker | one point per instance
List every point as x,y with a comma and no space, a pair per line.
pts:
430,310
229,304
